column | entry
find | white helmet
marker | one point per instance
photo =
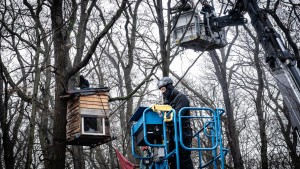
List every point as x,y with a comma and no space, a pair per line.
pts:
164,82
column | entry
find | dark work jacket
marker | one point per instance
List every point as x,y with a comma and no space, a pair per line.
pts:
179,100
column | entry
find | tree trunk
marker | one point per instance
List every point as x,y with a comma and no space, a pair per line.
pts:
293,153
60,38
1,99
9,159
165,55
78,157
44,116
34,105
259,110
233,137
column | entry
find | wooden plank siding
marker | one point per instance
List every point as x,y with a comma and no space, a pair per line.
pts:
94,102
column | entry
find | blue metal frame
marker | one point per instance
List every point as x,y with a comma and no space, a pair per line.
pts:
212,121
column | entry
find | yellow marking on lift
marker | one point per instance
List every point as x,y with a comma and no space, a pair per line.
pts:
166,119
157,108
165,108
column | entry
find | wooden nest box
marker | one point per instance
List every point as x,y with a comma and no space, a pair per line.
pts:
87,117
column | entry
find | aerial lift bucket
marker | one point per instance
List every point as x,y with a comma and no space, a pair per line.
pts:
189,32
150,130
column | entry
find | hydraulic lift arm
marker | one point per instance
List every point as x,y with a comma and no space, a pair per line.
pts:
282,64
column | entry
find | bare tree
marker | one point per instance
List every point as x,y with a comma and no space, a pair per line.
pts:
46,44
61,37
232,134
259,101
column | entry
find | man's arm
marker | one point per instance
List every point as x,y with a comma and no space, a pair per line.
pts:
180,102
